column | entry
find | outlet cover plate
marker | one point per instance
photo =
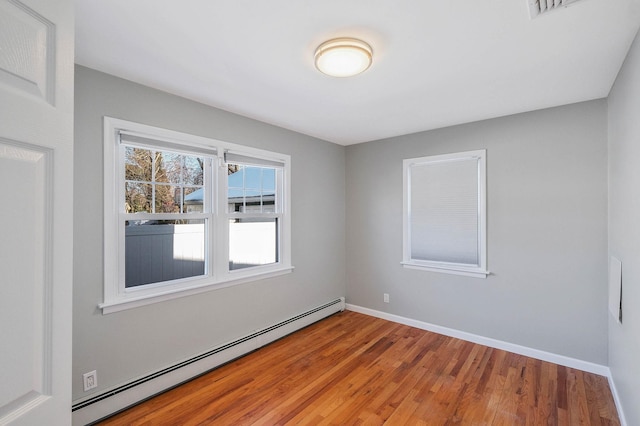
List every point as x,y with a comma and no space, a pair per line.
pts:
90,380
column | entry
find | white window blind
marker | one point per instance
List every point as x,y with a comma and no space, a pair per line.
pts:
133,139
232,157
444,212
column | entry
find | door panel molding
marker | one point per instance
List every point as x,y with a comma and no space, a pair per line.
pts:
26,259
27,41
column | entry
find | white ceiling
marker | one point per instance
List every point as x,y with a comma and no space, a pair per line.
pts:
436,62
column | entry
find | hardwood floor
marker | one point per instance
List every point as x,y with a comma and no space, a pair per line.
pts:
353,369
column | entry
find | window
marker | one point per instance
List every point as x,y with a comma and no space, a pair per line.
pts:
445,213
185,214
254,210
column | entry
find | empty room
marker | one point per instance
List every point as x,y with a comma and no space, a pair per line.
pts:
339,212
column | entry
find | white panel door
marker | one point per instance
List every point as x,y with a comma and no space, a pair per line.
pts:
36,206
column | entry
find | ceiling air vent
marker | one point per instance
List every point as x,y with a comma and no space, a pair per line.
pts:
539,7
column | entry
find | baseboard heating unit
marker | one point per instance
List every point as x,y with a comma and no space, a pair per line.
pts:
105,403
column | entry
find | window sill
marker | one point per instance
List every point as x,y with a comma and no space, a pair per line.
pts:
122,304
445,270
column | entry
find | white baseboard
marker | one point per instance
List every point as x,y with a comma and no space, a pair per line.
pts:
578,364
616,399
486,341
96,407
110,401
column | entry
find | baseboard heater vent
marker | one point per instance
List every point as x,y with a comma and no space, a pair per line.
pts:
116,399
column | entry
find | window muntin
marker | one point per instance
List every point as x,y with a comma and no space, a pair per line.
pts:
172,188
444,219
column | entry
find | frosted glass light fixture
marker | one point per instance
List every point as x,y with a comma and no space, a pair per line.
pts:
343,57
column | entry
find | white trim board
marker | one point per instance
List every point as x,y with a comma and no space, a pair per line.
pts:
590,367
616,399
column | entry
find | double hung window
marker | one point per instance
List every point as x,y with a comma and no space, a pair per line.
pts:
254,210
184,214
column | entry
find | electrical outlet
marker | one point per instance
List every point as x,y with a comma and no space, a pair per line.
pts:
90,380
386,298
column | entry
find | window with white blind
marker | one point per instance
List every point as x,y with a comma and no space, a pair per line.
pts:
184,214
445,213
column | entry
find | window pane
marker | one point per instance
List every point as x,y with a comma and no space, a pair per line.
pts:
193,200
138,197
167,199
268,206
236,194
159,168
180,169
252,189
252,201
138,164
269,180
163,250
253,178
169,167
193,172
252,242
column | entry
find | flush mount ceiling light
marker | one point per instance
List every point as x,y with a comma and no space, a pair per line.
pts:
343,57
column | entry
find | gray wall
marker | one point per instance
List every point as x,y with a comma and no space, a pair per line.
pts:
547,232
124,345
624,229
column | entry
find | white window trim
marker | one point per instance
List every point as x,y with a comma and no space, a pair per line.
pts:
479,271
116,297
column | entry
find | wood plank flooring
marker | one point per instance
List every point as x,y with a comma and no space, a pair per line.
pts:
353,369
